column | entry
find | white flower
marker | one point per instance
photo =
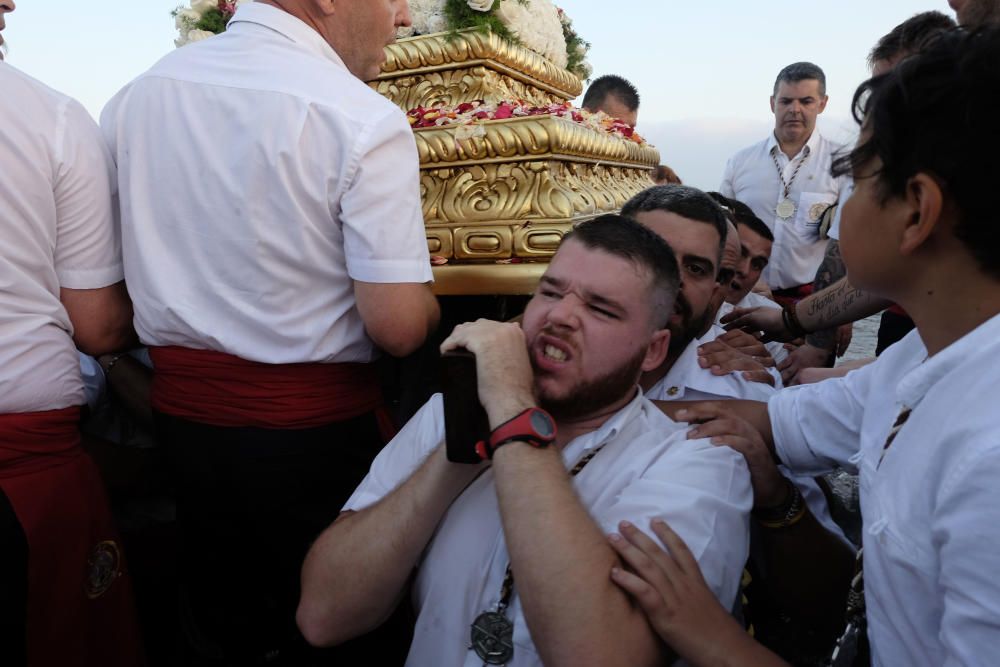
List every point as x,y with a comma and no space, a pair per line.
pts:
185,19
480,5
198,35
202,6
536,23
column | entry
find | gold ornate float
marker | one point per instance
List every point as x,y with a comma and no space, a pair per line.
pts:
498,196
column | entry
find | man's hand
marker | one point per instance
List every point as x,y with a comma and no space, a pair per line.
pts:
748,344
503,370
845,333
767,320
721,359
805,356
670,589
723,427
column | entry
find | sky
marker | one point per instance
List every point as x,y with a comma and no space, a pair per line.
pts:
704,69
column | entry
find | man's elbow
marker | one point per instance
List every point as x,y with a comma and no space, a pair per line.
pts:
314,626
104,340
404,334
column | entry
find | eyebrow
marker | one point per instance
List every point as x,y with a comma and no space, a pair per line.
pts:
592,298
786,100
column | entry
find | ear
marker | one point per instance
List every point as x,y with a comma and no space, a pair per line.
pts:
772,103
656,352
924,202
822,103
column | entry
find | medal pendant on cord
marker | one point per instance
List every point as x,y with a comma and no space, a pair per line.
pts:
785,209
493,637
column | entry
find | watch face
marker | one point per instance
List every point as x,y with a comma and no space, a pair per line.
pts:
542,423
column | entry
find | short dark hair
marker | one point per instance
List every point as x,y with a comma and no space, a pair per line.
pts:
802,71
910,36
683,200
626,238
744,215
935,113
615,86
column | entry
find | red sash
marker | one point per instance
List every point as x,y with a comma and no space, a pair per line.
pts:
223,390
792,295
79,597
897,310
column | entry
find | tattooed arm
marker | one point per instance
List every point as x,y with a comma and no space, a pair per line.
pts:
830,271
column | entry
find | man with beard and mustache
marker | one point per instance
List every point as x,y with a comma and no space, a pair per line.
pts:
695,227
596,321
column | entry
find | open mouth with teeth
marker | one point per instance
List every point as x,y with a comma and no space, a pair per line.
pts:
554,353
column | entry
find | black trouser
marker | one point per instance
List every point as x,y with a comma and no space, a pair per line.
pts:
892,328
250,502
13,587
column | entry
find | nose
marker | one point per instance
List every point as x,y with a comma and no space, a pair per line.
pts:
403,18
7,6
565,314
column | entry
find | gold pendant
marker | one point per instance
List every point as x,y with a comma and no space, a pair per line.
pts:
785,209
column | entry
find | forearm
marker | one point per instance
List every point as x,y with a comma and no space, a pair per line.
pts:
131,382
793,556
830,270
561,562
354,574
840,303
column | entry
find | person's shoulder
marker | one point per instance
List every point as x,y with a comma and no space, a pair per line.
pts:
17,86
750,152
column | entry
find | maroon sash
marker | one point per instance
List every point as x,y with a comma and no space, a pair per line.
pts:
224,390
80,608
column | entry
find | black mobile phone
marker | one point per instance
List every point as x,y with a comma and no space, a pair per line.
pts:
465,420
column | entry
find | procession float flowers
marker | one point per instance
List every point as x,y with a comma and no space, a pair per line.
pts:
471,114
537,25
203,19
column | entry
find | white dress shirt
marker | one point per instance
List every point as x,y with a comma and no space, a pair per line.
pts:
754,300
57,231
930,510
259,179
752,178
687,381
646,470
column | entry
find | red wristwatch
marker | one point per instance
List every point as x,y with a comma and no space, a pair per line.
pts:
533,426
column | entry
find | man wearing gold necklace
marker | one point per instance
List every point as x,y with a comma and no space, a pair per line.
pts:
786,179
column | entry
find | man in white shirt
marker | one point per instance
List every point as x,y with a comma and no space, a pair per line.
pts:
273,242
920,423
596,321
696,228
63,587
786,179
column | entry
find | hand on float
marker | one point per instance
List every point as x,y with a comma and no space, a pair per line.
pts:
722,359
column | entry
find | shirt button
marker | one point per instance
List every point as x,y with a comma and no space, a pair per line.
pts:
672,391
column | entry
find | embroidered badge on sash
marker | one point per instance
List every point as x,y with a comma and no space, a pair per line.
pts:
103,567
816,211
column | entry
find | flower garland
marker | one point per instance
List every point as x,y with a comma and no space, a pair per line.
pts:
472,114
535,24
203,19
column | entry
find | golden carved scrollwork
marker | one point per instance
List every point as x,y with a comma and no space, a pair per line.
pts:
444,51
453,87
528,137
530,190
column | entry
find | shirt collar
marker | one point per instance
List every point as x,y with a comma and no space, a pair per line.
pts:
605,433
981,342
812,145
286,25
